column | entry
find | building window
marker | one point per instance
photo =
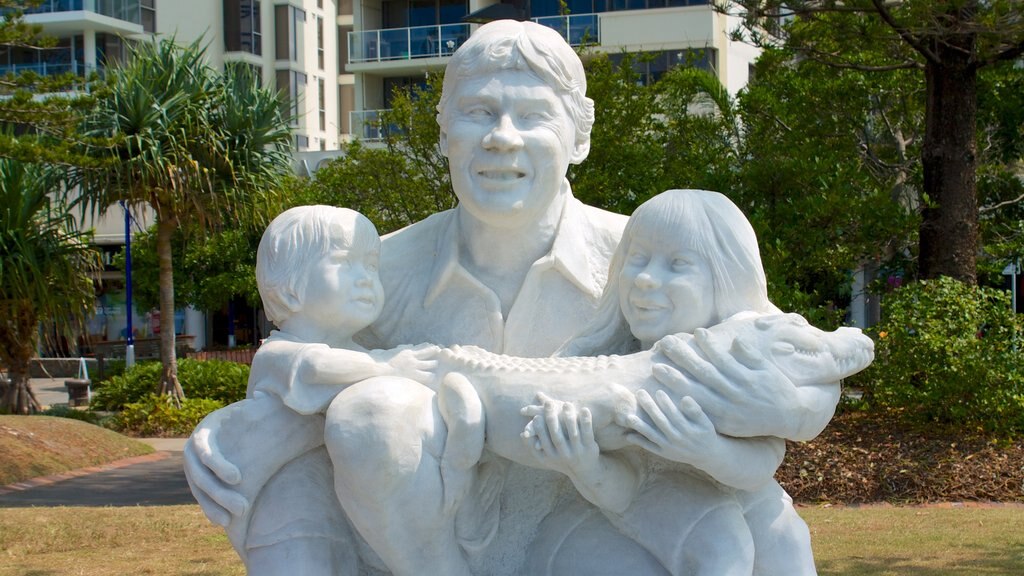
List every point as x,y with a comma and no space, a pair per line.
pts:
320,42
408,13
291,88
320,4
651,66
148,14
343,32
322,101
242,29
288,21
301,142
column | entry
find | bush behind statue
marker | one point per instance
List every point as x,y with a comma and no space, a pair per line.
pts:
950,353
217,380
157,415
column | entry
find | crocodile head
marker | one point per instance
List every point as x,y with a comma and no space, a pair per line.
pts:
803,353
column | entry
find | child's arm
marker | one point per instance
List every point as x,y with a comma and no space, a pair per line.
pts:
563,439
341,367
685,434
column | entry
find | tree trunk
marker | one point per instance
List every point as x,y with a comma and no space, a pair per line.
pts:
949,223
169,378
18,334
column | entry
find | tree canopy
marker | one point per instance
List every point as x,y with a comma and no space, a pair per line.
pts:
948,43
201,148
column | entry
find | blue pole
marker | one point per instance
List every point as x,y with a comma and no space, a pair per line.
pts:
129,355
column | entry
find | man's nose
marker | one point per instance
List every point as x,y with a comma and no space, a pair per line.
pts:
504,135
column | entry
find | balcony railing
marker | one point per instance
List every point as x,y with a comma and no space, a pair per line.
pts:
47,68
365,124
127,10
577,29
406,43
438,41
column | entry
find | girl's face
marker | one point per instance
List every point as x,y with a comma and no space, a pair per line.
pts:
665,287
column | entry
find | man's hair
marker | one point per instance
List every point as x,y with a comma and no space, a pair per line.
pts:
527,46
297,239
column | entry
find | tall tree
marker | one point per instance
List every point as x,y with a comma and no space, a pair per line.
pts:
401,182
949,41
46,271
198,147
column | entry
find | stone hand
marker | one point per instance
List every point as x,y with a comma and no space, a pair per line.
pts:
210,475
562,436
743,393
419,364
680,433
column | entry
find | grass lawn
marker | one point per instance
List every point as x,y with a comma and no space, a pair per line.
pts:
177,540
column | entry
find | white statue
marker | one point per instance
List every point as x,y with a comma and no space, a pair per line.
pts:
675,444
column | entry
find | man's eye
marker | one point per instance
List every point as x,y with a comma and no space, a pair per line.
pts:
478,113
536,116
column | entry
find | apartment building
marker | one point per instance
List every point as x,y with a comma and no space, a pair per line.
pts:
392,42
338,62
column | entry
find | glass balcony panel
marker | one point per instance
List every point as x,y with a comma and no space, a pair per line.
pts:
394,44
452,36
577,29
406,43
127,10
366,124
423,40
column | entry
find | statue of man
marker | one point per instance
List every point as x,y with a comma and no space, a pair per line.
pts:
518,268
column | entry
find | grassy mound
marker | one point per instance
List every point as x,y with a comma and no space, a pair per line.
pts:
32,446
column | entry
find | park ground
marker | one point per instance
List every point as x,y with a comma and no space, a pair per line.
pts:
880,499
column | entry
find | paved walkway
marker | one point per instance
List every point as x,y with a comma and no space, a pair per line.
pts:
153,480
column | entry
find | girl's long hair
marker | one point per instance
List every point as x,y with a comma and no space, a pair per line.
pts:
717,230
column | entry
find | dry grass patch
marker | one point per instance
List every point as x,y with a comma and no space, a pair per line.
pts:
32,446
918,541
168,540
178,540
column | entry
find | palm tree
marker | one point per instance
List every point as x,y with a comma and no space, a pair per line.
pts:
46,271
198,147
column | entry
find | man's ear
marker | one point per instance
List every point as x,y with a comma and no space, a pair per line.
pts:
580,150
443,143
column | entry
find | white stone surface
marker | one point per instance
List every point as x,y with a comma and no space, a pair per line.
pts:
458,444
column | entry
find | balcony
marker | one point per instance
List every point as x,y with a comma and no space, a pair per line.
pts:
127,10
405,43
47,68
63,18
440,41
577,29
365,125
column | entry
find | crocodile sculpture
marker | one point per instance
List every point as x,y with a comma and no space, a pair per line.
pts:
484,390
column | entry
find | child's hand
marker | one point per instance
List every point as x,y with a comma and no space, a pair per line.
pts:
416,364
562,436
682,434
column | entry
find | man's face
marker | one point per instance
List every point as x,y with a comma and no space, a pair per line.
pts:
509,140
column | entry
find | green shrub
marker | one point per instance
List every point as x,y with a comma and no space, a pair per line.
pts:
157,415
210,379
68,412
951,353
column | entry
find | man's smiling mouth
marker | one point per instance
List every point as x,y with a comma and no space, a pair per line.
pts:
502,175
